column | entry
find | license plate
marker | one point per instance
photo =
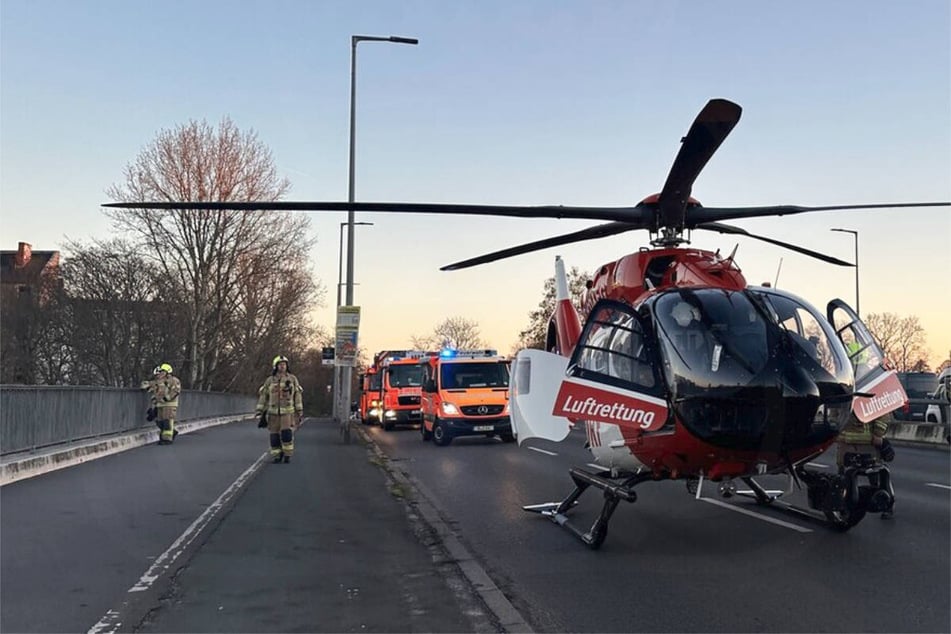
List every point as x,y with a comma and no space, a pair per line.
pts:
417,411
483,428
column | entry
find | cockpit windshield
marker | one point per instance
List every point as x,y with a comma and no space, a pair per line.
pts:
711,337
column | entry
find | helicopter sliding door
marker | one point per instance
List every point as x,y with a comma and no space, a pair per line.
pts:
878,390
613,376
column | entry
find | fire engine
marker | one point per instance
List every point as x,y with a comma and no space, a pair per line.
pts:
370,399
400,387
465,393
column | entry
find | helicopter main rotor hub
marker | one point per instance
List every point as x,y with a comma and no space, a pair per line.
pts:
668,237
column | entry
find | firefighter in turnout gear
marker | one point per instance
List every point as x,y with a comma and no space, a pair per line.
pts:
866,438
280,398
164,390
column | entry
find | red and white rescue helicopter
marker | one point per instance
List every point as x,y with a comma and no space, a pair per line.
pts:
676,366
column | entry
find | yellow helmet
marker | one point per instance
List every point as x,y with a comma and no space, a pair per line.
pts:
278,359
165,368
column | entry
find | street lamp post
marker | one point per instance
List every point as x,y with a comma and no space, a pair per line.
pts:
855,234
343,410
340,259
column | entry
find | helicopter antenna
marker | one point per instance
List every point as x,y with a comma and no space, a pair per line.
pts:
733,252
778,269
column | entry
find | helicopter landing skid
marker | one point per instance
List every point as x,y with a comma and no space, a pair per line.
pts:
614,492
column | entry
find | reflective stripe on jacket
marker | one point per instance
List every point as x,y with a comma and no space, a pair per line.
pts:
281,395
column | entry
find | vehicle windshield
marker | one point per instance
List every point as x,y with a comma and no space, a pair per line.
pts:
374,382
711,337
466,375
407,375
918,384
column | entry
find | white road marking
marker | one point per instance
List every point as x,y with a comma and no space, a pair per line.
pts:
771,520
110,623
599,467
940,486
548,453
816,464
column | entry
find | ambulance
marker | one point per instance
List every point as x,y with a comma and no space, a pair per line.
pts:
400,385
465,393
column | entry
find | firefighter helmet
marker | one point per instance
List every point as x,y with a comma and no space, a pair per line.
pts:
165,368
278,359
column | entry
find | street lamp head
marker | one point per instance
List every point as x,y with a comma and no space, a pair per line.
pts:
846,231
404,40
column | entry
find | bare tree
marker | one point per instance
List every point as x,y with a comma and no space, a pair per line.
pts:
268,316
121,325
902,339
207,255
34,324
535,334
454,332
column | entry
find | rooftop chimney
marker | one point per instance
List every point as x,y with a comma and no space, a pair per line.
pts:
24,252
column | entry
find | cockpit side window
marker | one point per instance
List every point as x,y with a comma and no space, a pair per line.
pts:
808,331
613,350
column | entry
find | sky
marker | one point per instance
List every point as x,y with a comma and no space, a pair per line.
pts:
507,102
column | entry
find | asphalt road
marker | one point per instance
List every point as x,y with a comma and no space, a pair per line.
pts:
208,536
673,563
327,544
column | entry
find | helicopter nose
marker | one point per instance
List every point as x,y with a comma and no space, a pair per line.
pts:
798,383
777,412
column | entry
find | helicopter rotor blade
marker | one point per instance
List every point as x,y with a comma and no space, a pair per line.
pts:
700,215
591,233
621,214
722,228
709,129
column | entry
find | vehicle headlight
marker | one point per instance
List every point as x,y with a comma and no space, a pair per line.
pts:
389,413
449,409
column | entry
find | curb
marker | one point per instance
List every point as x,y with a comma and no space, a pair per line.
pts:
52,459
506,614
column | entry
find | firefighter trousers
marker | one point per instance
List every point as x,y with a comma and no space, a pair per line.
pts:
280,429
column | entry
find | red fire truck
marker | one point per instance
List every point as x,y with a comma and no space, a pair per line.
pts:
402,379
370,399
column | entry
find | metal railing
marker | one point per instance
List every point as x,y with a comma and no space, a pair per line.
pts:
32,417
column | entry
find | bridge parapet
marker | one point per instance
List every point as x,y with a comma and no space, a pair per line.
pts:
39,416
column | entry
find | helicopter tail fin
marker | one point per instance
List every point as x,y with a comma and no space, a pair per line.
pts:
567,321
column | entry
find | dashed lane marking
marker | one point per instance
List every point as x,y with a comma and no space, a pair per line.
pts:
547,453
935,484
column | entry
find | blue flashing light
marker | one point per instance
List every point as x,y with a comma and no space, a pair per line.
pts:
447,353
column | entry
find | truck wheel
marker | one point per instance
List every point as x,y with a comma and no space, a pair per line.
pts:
509,437
425,433
387,426
440,437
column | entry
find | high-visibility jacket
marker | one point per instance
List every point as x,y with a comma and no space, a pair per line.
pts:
164,392
857,432
281,394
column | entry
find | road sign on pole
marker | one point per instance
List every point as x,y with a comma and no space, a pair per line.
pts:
348,329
